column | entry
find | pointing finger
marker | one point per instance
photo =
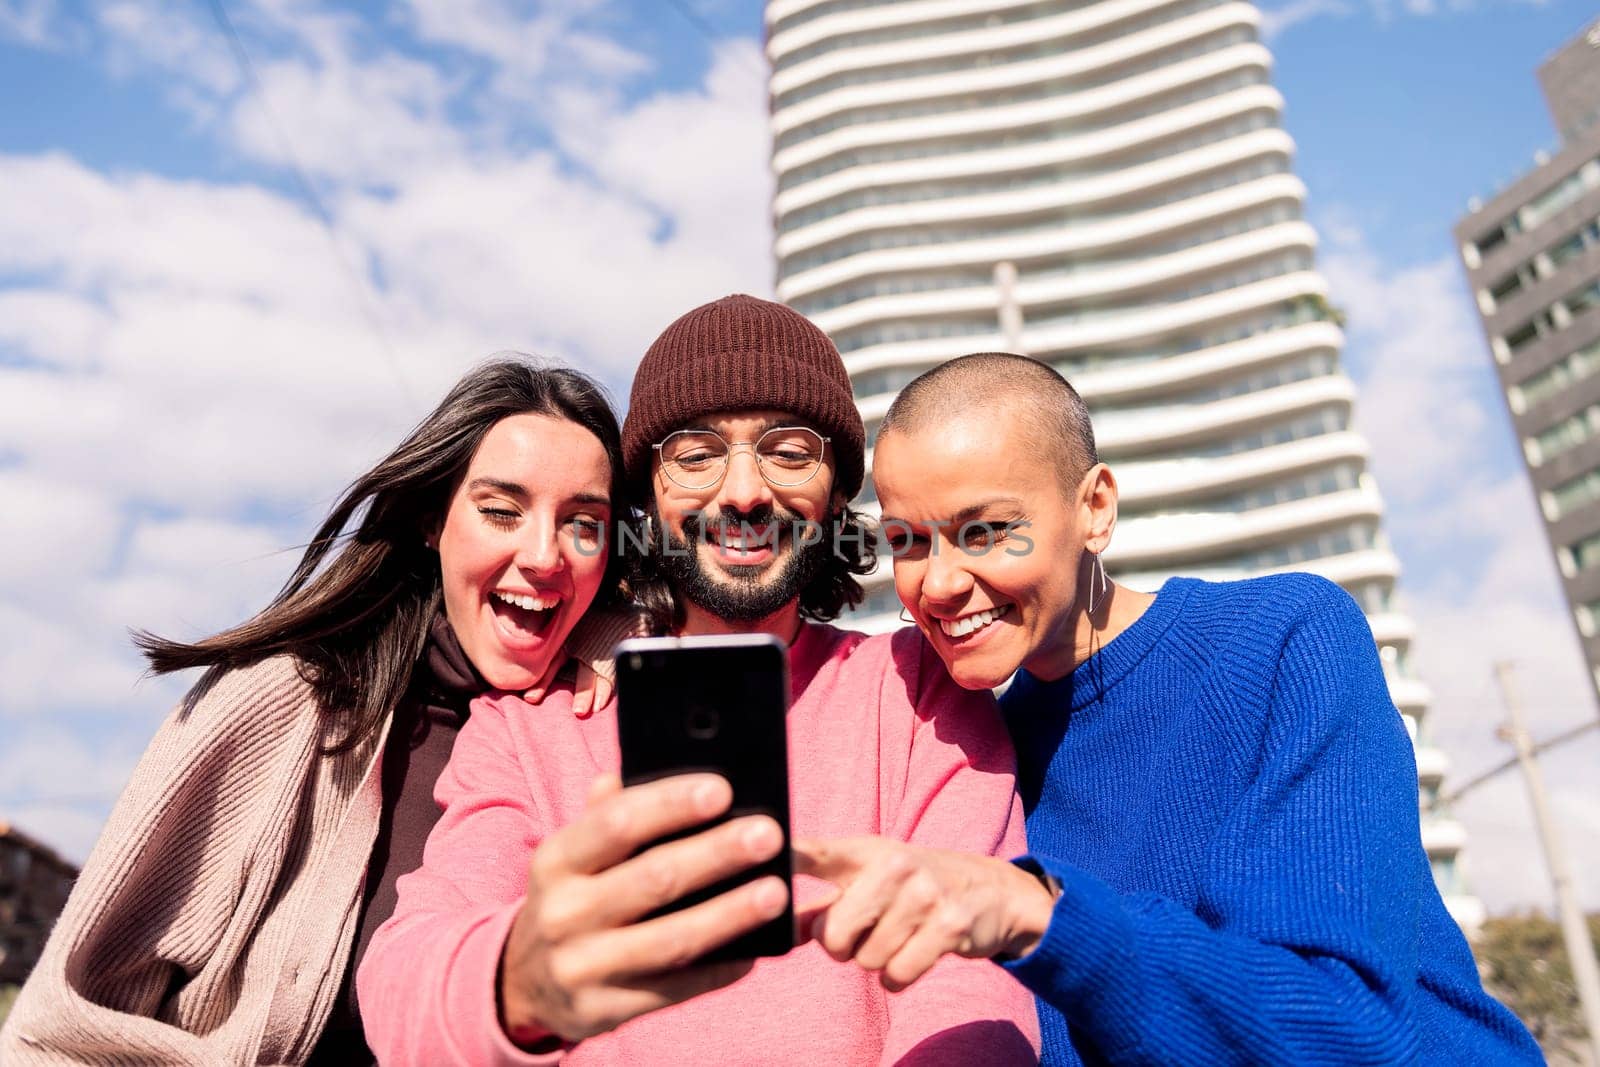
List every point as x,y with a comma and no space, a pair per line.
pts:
603,786
808,920
838,860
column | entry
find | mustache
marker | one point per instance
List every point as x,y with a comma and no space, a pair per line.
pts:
703,526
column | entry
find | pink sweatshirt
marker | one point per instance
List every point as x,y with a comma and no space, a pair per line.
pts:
881,741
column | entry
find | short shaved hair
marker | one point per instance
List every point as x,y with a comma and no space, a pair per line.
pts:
1029,391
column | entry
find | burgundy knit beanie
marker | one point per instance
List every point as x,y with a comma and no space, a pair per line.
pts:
741,353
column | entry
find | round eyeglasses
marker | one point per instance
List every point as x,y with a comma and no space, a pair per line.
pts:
787,456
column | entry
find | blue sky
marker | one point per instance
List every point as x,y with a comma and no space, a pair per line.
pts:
191,364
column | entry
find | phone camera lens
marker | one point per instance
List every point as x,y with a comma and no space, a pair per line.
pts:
702,723
635,661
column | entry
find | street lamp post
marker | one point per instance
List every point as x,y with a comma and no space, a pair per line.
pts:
1580,949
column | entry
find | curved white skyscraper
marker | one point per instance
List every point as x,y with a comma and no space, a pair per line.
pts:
1103,185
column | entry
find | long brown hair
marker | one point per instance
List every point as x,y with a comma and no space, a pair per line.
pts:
358,622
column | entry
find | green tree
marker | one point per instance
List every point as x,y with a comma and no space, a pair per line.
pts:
1524,964
1317,306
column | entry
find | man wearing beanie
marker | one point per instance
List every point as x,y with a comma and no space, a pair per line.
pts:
746,447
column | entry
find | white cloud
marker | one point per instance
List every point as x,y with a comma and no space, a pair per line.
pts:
141,233
700,157
59,786
372,121
48,520
1423,355
190,371
531,52
1479,579
577,262
1275,20
48,662
51,328
189,576
30,22
51,764
175,39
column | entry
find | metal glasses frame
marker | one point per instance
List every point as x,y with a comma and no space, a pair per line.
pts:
732,446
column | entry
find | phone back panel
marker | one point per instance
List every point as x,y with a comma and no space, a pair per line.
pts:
720,705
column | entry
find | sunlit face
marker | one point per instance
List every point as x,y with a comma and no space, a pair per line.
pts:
738,556
987,545
521,549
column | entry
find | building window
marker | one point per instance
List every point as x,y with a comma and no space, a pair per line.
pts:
879,73
880,601
1556,378
1375,598
1565,435
1508,285
1335,479
1585,553
1541,207
1569,496
1445,875
1588,615
1317,365
1523,335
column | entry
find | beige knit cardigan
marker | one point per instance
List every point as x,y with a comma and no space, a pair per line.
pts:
213,921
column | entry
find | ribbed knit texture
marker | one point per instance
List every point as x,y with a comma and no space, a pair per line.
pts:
741,353
212,921
594,640
1229,799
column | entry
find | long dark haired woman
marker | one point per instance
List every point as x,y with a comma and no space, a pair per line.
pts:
256,847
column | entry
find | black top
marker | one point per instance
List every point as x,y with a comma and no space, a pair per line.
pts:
424,731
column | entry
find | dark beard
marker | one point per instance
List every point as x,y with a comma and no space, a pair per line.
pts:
741,594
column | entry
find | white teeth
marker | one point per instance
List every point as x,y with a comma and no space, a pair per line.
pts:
970,623
737,541
526,602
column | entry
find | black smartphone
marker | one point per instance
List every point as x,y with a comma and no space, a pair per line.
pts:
720,704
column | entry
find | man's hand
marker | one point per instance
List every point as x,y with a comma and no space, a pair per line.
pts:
901,907
578,961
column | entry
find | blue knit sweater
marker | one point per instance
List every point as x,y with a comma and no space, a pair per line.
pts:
1229,800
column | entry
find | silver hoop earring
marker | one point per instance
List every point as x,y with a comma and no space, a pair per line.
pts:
1097,580
905,617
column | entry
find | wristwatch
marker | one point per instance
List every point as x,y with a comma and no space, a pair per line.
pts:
1046,879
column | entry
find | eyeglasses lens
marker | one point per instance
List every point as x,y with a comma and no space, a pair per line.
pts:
787,456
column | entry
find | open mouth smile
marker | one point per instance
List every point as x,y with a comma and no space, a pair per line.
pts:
971,624
743,545
522,617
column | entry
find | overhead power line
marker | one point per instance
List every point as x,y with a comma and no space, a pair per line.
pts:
709,31
1494,772
694,18
308,192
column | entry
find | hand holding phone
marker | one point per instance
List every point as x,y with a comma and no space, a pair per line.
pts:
717,704
584,955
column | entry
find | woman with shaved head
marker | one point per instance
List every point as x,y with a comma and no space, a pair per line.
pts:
1221,799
